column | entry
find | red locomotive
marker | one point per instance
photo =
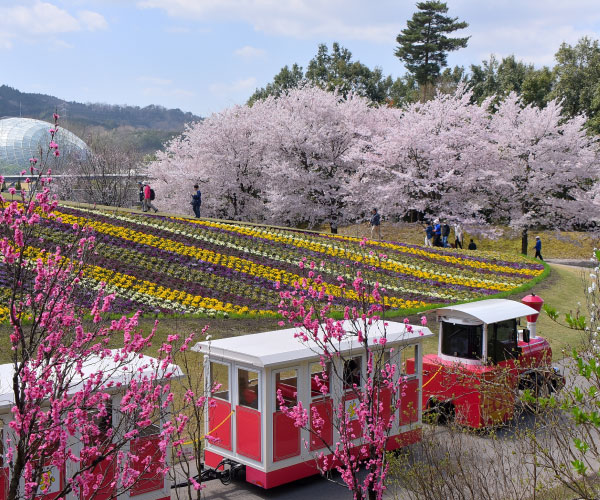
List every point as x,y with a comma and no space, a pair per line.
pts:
483,360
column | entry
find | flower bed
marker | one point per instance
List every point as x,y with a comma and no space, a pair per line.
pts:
177,265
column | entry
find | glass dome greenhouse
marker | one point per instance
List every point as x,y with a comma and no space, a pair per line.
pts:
21,139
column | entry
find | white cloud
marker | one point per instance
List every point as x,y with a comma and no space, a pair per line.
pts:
534,36
92,21
248,52
298,18
243,85
43,19
58,44
529,25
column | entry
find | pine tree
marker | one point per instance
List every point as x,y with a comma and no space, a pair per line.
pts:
423,44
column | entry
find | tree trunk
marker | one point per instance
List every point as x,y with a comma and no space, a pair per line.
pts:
524,242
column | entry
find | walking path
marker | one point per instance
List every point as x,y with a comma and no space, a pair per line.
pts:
572,262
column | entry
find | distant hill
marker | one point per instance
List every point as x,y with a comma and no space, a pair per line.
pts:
145,128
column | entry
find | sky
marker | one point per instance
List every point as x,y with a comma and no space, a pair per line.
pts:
206,55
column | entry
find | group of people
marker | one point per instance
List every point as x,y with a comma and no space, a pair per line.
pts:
438,234
147,196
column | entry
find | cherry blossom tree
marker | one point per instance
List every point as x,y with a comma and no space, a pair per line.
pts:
316,142
312,157
76,405
544,168
224,155
363,427
425,158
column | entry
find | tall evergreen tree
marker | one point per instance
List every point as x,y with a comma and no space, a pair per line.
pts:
577,73
286,79
333,70
424,44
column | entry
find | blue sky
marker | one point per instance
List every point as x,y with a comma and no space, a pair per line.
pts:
205,55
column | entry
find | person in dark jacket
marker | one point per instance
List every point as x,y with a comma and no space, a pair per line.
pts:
472,245
538,248
445,234
429,235
437,234
375,223
197,200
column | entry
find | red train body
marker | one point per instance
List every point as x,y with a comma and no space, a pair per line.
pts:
484,359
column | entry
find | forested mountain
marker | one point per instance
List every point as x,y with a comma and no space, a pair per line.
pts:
145,129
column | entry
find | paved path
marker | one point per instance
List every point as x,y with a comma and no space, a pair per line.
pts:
310,488
572,262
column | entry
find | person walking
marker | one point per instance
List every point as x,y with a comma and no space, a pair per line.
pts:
429,235
197,201
472,245
458,236
148,198
538,248
445,234
375,223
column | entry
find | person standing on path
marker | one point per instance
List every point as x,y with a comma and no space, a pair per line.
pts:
445,234
437,234
148,197
538,248
375,223
197,201
429,235
458,236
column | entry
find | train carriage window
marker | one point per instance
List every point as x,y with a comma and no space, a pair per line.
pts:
407,354
462,341
248,388
219,380
286,381
380,359
319,380
352,372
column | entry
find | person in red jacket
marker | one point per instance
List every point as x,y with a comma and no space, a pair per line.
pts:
148,199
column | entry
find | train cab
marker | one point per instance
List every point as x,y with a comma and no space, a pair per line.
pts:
483,359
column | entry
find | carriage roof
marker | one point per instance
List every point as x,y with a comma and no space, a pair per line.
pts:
281,346
119,373
486,311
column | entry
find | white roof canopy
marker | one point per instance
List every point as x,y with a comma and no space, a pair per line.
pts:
121,372
281,347
486,311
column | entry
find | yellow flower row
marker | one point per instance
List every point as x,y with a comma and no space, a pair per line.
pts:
128,282
154,290
242,265
389,265
319,247
451,259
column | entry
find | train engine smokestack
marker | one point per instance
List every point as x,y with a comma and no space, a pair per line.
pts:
536,302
